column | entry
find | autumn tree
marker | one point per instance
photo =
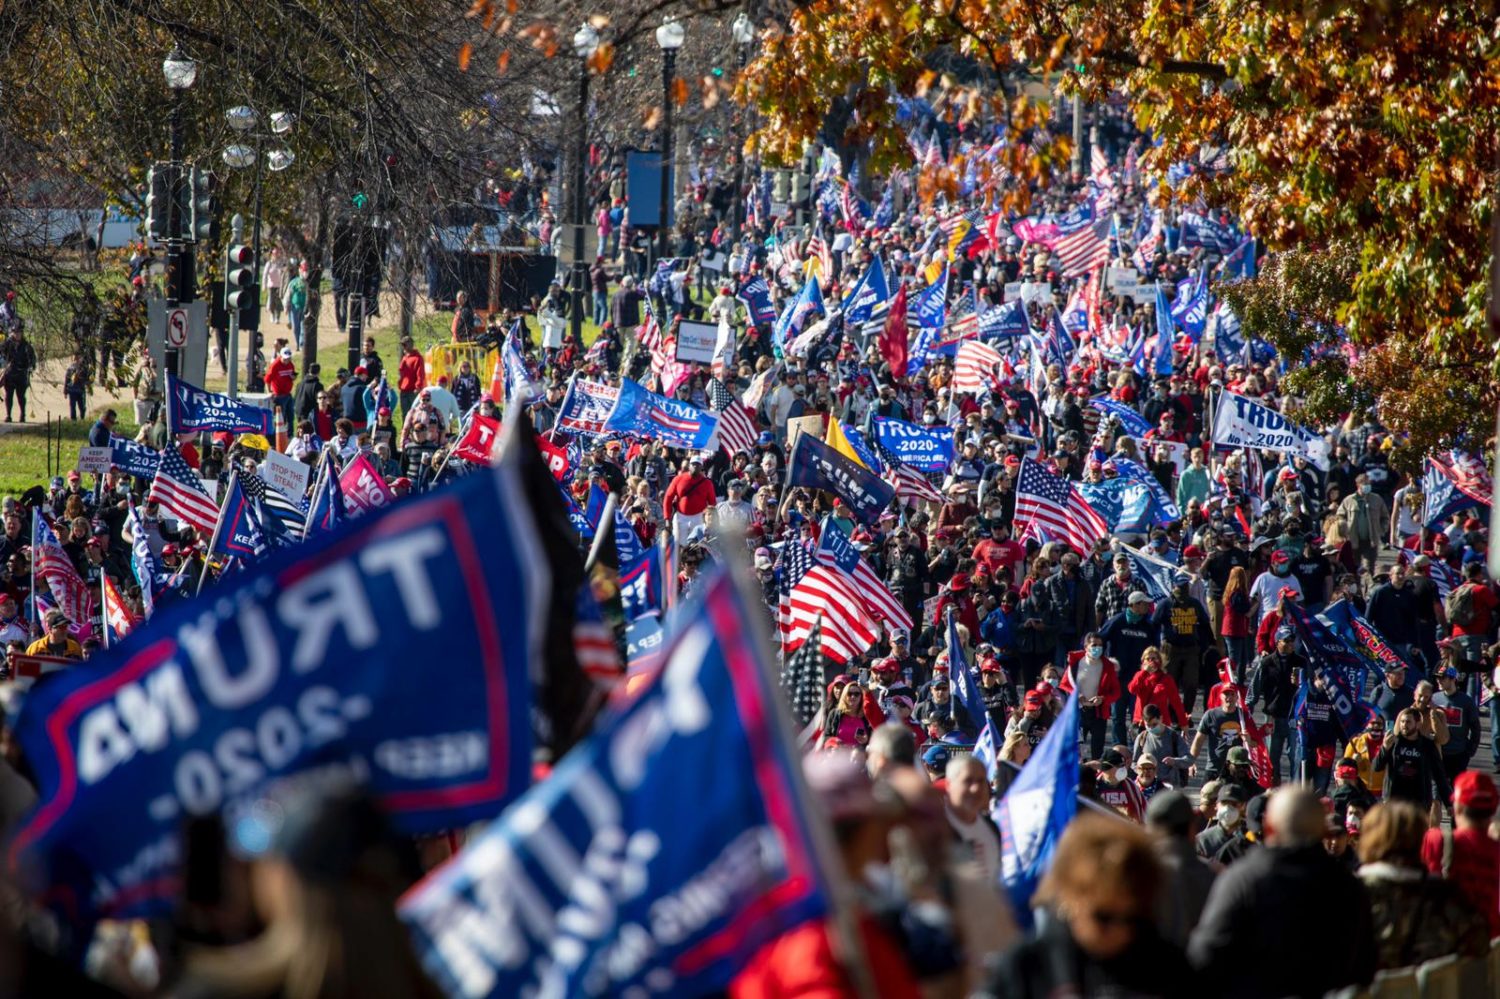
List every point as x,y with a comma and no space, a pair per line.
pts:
1362,139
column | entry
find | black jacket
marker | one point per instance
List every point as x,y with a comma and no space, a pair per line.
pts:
1272,682
1052,964
1276,895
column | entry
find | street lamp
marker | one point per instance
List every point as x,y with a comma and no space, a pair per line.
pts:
250,151
670,37
585,44
743,33
181,72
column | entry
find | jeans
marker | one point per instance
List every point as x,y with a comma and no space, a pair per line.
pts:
1283,741
1120,714
1241,653
408,399
1092,722
77,408
294,314
601,308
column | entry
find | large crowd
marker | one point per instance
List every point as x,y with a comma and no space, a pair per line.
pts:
1220,827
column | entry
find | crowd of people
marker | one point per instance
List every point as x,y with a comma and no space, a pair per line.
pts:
1217,825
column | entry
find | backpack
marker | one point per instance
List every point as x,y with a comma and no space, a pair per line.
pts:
1460,606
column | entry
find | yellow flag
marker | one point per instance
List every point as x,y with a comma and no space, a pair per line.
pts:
933,271
959,232
255,441
835,439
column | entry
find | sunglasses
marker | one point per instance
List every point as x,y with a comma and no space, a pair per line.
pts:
1105,919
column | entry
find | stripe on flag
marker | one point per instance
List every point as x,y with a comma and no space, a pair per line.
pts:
1053,504
737,430
178,490
974,368
1084,249
826,593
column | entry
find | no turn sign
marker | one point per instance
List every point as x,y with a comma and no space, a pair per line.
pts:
177,327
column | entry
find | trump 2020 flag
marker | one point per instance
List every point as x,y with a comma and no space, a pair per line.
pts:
818,466
190,409
307,660
661,854
643,413
1037,808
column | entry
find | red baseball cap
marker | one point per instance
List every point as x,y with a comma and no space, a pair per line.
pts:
1472,789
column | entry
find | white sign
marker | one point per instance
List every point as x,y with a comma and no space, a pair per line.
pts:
1029,291
94,459
287,476
177,327
1118,275
696,341
1241,422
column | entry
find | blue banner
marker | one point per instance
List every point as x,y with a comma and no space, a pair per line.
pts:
756,295
807,301
1004,322
925,449
1211,234
660,855
817,466
585,407
1037,807
1126,506
238,535
1154,574
930,306
1190,309
1133,423
310,659
643,413
1164,507
1441,495
1361,638
870,298
133,458
1341,671
190,409
862,448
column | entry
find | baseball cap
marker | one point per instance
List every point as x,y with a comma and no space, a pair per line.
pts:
56,617
1192,551
959,582
1472,789
1139,597
1346,768
74,475
1232,793
1113,757
1280,558
1285,631
1034,699
1170,810
1448,672
935,757
1239,756
1145,760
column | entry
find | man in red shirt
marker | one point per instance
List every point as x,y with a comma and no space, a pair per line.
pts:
688,494
1470,636
1473,861
281,377
1000,554
411,375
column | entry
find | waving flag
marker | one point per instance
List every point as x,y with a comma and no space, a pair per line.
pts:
930,307
961,675
817,466
585,406
1164,337
671,421
802,677
792,563
518,384
912,487
974,371
119,619
1004,322
1202,231
870,299
826,597
178,491
1154,574
238,534
190,410
1360,637
1166,509
327,510
835,549
893,335
1085,248
51,565
1448,488
1190,309
133,458
756,295
1342,670
499,919
289,513
1055,504
477,444
808,300
737,429
1229,341
143,562
1037,807
1132,422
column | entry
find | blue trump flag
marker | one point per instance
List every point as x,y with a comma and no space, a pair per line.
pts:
1155,575
1037,807
1190,310
930,306
1163,365
1164,508
817,466
190,409
237,534
1361,638
1004,322
807,301
870,298
643,413
925,449
1443,494
1211,234
756,295
661,854
965,690
326,510
1133,423
305,661
133,458
1341,670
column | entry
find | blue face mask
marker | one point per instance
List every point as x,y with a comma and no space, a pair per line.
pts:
1132,616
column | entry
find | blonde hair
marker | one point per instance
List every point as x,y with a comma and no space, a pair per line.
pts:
1392,831
1100,856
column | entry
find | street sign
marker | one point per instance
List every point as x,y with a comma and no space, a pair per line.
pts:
177,328
192,360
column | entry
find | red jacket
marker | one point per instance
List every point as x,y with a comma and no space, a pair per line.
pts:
1109,680
411,373
280,376
688,494
1160,689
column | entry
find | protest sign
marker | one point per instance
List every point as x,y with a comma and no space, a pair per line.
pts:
798,425
1241,422
95,459
288,476
310,659
364,490
696,341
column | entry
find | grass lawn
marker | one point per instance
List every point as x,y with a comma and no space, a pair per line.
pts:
23,451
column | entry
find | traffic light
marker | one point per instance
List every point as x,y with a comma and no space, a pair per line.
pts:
242,293
779,183
158,197
203,207
799,187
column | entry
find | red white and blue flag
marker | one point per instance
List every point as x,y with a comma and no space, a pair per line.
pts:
178,491
1054,504
51,564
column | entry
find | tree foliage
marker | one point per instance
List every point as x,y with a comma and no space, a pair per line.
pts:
1362,135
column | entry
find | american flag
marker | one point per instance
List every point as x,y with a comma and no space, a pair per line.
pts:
1146,247
737,430
758,386
52,565
1443,576
802,677
794,562
818,249
292,514
911,485
594,641
825,593
1086,247
963,320
874,596
178,491
1054,504
1469,475
974,368
669,371
119,620
649,332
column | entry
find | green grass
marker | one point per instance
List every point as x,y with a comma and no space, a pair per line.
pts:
23,451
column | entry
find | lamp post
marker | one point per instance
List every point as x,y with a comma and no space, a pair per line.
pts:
743,32
585,44
670,37
246,121
181,73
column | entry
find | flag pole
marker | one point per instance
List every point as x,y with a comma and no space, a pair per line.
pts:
103,606
606,517
218,529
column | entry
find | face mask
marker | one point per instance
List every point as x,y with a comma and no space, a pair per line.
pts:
1119,775
1132,616
1053,682
1155,729
1095,651
1364,490
1227,815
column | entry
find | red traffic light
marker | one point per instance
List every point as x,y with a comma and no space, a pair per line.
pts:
241,255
